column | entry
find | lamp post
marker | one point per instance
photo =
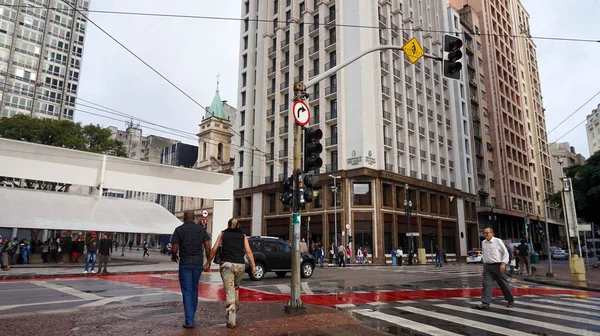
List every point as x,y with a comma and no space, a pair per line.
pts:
407,211
550,272
335,190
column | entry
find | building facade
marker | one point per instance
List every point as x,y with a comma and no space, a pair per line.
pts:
563,156
180,155
592,128
387,125
513,163
41,48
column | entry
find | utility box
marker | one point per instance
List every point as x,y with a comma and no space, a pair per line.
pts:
421,256
577,269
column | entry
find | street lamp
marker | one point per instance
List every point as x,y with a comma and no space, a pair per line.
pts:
550,272
407,211
335,190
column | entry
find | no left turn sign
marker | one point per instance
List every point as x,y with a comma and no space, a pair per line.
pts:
204,213
301,113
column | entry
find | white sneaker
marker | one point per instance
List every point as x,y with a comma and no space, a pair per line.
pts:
85,272
94,272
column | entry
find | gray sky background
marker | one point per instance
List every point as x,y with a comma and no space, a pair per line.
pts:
190,52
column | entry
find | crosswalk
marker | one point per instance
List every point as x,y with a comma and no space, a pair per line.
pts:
531,314
453,269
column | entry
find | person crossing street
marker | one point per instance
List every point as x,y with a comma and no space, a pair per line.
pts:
495,259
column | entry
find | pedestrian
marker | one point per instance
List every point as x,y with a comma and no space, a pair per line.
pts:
341,254
46,251
399,256
321,255
495,258
74,251
331,254
303,247
105,249
411,255
509,266
438,256
146,250
130,245
366,255
5,245
524,257
394,253
190,240
348,254
53,251
92,249
234,245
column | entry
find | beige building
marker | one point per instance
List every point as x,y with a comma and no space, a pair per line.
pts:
592,128
505,93
563,156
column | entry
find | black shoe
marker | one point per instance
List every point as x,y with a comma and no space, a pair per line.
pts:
186,326
510,304
483,306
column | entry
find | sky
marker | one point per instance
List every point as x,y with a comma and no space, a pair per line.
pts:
192,52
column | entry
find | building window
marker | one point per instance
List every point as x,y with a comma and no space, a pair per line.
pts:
243,98
271,203
204,151
220,151
480,62
487,129
245,61
244,79
483,95
240,180
362,193
490,165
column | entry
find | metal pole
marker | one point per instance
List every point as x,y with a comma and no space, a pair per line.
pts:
587,265
335,211
295,302
550,273
594,241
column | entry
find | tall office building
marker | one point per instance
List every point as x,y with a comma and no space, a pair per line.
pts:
563,156
393,131
592,127
41,47
513,164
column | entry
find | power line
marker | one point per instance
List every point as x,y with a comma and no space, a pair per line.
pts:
225,18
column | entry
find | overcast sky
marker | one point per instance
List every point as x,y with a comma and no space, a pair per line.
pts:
191,53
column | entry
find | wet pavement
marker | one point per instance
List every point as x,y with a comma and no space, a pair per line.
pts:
563,278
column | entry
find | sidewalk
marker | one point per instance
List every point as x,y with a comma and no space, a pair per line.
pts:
163,319
562,277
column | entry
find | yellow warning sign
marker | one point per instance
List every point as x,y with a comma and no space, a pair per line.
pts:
413,50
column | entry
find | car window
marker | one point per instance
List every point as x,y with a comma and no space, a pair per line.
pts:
271,247
284,247
256,245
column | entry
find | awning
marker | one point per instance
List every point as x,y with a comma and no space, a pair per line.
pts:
35,209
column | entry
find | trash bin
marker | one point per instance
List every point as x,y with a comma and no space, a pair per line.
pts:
534,258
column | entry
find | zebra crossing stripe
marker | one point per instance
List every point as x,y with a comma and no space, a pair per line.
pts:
589,301
517,319
560,308
562,303
345,305
551,315
465,322
423,328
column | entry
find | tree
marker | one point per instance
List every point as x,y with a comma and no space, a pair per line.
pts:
59,133
586,189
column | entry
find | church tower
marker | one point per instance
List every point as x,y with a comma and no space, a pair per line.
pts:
214,138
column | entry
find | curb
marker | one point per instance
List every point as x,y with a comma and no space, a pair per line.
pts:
562,285
5,277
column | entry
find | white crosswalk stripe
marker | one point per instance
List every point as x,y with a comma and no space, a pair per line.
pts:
535,314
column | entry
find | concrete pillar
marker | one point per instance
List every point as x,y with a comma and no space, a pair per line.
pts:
44,235
14,232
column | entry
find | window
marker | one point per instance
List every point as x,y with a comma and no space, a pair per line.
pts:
480,62
204,151
242,118
243,98
302,8
483,95
275,6
244,79
492,183
478,46
487,129
362,193
245,61
245,42
246,25
242,138
490,165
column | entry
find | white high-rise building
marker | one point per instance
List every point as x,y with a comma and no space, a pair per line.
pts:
41,48
387,124
592,127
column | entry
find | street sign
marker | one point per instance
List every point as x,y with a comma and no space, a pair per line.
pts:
347,226
413,50
301,112
584,227
295,219
204,213
412,234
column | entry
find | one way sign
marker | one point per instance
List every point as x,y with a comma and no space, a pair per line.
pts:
301,113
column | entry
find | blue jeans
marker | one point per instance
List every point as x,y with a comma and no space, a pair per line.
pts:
90,258
189,277
438,260
25,256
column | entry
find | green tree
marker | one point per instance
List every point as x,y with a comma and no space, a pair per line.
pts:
586,189
59,133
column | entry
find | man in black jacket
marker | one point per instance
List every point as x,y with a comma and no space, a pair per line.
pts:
105,251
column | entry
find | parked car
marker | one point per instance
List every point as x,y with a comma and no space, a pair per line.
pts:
560,254
272,254
474,256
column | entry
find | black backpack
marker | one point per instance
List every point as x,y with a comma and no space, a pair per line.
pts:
523,250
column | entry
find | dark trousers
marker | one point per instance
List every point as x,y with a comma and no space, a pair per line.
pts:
491,273
189,278
341,260
103,263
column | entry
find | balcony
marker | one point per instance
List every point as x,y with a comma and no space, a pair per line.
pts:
444,182
331,141
283,153
422,131
283,130
438,98
331,115
431,135
413,174
451,163
383,41
314,96
446,103
387,116
281,177
387,141
298,57
329,65
272,49
400,146
270,112
450,143
443,161
411,126
445,83
439,119
314,120
269,179
312,73
448,123
330,43
330,91
284,64
434,179
424,177
382,21
427,72
313,50
397,73
385,90
285,43
410,103
269,157
408,80
430,114
423,154
401,170
270,134
283,107
330,19
385,66
452,184
389,168
298,35
271,70
412,150
398,97
331,167
432,157
396,53
399,121
284,86
395,28
420,108
419,87
441,139
270,91
313,28
428,92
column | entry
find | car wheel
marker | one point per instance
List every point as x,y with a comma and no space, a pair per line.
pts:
307,270
260,273
281,274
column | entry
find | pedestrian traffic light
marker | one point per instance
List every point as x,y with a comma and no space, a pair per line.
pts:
304,226
286,191
312,149
452,64
308,180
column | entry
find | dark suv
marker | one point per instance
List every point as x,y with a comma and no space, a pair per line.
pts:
272,254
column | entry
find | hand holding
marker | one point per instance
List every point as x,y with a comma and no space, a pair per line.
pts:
206,267
502,267
174,257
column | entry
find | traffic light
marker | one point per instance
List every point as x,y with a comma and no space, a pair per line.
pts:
312,149
309,181
349,239
304,226
287,187
452,64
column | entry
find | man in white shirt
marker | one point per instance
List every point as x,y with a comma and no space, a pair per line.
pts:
495,259
399,256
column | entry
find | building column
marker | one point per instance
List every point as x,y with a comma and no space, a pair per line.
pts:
44,235
15,231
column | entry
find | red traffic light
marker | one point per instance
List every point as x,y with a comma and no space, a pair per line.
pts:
313,134
455,45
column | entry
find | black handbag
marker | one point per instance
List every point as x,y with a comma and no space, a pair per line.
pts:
218,259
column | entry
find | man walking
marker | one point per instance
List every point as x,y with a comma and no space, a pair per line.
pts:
92,249
105,250
523,257
188,239
495,258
